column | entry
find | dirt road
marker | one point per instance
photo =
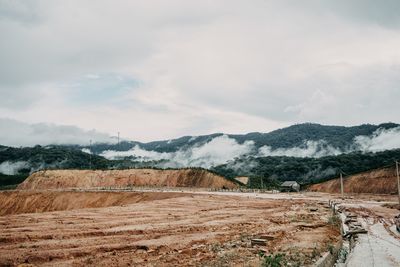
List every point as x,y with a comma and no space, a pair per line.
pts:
194,229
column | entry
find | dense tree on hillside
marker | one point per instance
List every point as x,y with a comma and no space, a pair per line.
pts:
294,136
305,170
266,171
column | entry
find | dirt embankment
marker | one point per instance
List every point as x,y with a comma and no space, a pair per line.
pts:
16,202
382,181
61,179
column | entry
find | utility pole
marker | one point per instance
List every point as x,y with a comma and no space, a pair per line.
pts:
262,185
90,154
398,180
341,185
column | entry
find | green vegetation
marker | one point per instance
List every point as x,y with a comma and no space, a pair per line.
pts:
264,172
269,171
277,260
49,157
7,180
52,157
334,220
294,136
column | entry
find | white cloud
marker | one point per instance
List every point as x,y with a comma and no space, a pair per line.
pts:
86,150
312,149
17,133
380,140
201,66
12,168
222,150
218,151
141,154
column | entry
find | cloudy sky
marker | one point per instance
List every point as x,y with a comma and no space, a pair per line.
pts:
163,69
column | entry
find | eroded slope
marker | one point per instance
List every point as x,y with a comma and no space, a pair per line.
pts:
382,181
61,179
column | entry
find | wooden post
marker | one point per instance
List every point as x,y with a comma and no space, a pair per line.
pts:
341,185
398,180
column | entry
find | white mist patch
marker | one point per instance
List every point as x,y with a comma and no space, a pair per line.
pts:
242,166
313,149
223,150
218,151
380,140
86,150
137,152
12,168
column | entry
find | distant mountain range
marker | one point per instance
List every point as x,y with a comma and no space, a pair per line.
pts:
340,137
304,152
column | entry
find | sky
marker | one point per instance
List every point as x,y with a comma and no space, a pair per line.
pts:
154,70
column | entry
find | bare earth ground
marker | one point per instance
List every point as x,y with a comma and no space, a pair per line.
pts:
188,229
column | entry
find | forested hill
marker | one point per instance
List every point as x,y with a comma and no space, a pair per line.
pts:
304,152
273,170
17,163
340,137
294,136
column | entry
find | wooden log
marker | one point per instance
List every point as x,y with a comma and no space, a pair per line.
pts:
259,241
356,231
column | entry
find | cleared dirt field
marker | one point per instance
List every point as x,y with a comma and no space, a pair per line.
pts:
181,229
15,202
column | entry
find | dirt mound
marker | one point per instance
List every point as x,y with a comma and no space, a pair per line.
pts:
382,181
61,179
15,202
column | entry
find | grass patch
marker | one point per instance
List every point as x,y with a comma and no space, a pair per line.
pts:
335,220
274,260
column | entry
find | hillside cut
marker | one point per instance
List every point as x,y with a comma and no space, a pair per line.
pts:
381,181
62,179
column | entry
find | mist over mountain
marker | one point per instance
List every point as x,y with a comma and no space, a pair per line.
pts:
301,140
304,152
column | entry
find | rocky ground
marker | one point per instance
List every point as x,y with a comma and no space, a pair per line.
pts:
189,229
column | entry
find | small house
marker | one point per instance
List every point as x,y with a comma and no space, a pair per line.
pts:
290,186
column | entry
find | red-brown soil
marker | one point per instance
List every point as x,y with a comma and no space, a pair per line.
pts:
382,181
15,202
190,230
61,179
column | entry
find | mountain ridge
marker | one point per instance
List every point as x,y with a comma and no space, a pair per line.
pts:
292,134
316,151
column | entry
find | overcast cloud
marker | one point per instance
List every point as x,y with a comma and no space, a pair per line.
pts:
16,133
163,69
